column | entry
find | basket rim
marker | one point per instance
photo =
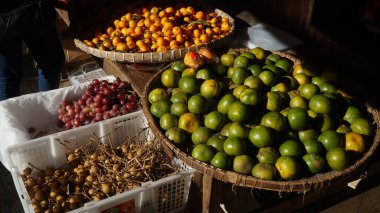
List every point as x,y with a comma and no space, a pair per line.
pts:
156,57
316,182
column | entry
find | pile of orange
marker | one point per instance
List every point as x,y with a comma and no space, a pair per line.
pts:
156,29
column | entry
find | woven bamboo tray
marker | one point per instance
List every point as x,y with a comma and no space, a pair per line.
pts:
155,57
316,182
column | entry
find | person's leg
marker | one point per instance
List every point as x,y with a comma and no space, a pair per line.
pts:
47,51
10,69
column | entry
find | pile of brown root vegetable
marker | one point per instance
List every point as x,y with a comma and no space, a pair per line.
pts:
94,172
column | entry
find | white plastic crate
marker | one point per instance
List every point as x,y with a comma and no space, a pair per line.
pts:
85,73
169,194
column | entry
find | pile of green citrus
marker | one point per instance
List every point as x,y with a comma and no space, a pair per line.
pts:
257,113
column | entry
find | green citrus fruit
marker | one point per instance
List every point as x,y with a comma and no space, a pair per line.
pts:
230,72
285,64
217,142
203,152
273,69
290,82
215,120
158,94
287,167
178,66
248,55
324,122
253,82
302,78
351,114
264,171
170,78
317,80
291,148
320,104
330,139
160,107
272,58
243,164
204,74
259,53
179,97
221,160
354,142
274,101
201,135
300,102
239,75
189,122
249,96
179,108
233,52
313,146
261,136
308,90
238,130
361,126
343,129
197,104
255,69
280,87
225,102
293,93
226,130
227,60
267,155
337,158
189,72
241,62
176,135
298,118
238,112
314,162
210,89
219,69
274,120
238,90
168,121
267,77
235,146
189,84
327,87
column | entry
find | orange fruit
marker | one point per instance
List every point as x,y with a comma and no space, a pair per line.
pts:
337,158
203,152
189,122
157,94
287,167
201,135
355,142
214,120
243,164
235,146
168,121
221,160
261,136
210,89
264,171
170,78
238,112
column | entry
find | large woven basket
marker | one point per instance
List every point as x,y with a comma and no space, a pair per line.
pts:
156,57
316,182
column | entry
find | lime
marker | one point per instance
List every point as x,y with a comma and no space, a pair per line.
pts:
238,90
230,71
355,142
239,75
352,114
178,66
243,164
274,101
238,130
210,89
198,104
179,97
343,129
327,87
255,69
160,107
235,146
267,155
290,82
189,122
259,53
317,80
248,55
261,136
201,135
298,118
227,60
287,167
157,94
285,64
274,120
189,71
302,78
299,102
217,142
238,112
215,120
253,82
176,135
324,122
179,108
168,121
241,62
337,158
330,139
273,69
219,69
313,146
226,130
264,171
314,162
170,78
291,148
203,152
309,134
249,96
189,84
308,90
272,58
361,126
204,74
225,102
320,104
267,77
280,87
221,160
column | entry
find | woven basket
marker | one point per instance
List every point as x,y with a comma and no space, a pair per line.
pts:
156,57
316,182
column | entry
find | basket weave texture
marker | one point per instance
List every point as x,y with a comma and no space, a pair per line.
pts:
316,182
156,57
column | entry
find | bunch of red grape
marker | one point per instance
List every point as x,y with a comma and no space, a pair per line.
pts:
102,100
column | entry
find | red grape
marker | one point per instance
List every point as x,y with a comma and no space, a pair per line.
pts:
95,81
